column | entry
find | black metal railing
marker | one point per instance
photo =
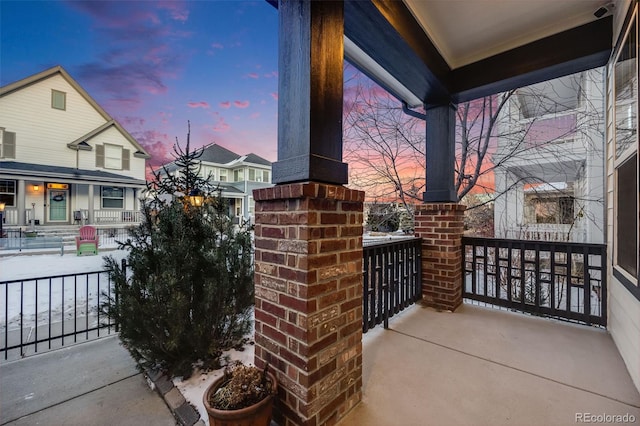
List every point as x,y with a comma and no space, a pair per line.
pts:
50,312
555,279
391,280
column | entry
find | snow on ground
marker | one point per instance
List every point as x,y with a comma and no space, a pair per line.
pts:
193,389
29,301
21,266
27,267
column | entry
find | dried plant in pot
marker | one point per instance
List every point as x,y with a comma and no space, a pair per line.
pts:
243,396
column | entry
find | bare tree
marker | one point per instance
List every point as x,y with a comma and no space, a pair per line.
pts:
516,131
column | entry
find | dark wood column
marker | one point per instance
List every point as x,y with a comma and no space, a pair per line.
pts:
441,138
311,51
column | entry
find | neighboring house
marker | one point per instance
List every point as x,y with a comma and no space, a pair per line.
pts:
550,184
235,175
64,159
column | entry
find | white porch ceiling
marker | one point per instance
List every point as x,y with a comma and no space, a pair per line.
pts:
467,31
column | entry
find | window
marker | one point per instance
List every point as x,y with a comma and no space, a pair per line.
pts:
238,175
58,100
265,176
8,145
252,206
624,79
8,192
252,175
113,157
549,209
223,175
627,217
112,197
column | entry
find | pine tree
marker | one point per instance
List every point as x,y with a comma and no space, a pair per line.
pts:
187,292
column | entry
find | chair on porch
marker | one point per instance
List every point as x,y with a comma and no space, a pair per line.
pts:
87,241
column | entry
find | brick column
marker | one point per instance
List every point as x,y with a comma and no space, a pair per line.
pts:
440,225
308,285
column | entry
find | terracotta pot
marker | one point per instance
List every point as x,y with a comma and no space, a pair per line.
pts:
254,415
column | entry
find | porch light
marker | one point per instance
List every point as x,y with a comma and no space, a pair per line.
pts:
36,188
1,219
195,197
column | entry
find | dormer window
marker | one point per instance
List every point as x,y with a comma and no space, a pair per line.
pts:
58,100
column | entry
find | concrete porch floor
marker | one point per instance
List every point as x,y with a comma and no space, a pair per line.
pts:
480,366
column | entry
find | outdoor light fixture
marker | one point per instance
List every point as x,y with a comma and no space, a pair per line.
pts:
1,219
196,198
36,188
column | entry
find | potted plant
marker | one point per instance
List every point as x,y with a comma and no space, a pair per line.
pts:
243,396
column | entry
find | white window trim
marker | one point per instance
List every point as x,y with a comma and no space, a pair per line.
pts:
108,146
102,197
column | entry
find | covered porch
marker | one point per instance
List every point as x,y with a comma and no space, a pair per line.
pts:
308,234
483,366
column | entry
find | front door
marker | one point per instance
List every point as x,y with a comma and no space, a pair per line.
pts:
58,205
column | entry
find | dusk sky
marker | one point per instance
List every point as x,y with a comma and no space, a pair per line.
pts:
153,65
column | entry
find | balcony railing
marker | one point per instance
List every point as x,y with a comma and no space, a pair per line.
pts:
554,279
391,280
546,232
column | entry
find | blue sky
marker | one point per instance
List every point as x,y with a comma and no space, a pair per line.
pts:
153,65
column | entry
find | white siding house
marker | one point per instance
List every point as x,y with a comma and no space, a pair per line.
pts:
623,210
235,175
63,159
550,183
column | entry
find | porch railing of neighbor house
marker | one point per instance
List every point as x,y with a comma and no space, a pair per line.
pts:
116,216
39,314
555,279
391,280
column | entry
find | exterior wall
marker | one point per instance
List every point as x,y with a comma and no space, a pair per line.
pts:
87,159
42,132
578,159
623,307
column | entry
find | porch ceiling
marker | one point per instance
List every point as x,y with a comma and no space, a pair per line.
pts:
464,49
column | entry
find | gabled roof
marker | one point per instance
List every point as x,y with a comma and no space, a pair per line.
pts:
48,73
256,159
81,142
215,153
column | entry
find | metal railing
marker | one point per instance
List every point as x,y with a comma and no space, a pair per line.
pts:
391,280
50,312
553,279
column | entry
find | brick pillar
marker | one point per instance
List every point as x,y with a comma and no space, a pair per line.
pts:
308,285
440,225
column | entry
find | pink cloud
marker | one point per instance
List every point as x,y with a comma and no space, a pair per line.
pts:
241,104
201,104
274,95
255,115
221,125
252,75
272,74
225,104
217,46
177,9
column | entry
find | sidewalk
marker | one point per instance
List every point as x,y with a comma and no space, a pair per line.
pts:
94,383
